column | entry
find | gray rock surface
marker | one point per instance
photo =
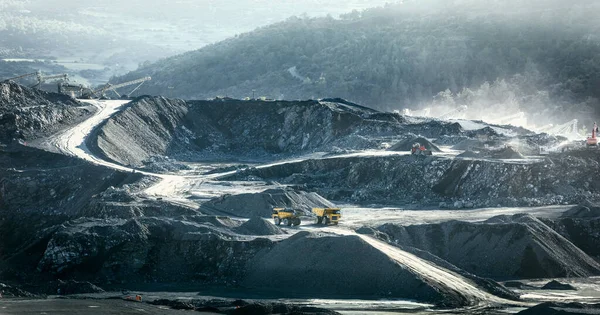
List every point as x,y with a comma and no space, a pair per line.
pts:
144,129
503,247
248,130
428,181
555,285
7,291
258,226
76,287
586,209
558,308
26,114
328,265
261,204
149,249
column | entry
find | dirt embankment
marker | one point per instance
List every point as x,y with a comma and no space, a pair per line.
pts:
234,129
329,265
67,219
561,308
431,180
502,247
39,191
261,204
148,249
147,127
27,114
580,225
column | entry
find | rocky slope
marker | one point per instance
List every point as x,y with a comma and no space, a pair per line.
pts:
580,226
26,114
558,308
261,204
327,265
147,127
148,249
39,191
429,180
502,247
233,129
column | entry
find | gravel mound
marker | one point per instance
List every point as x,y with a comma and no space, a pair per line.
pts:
153,249
406,145
26,114
469,154
476,144
506,153
557,308
519,285
518,246
582,232
76,287
555,285
261,204
328,265
258,226
11,291
485,132
586,209
15,95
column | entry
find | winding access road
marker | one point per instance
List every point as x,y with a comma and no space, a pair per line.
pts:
72,142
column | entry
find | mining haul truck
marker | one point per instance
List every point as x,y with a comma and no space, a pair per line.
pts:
286,216
327,215
593,140
418,149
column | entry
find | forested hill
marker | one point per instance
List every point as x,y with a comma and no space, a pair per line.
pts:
542,57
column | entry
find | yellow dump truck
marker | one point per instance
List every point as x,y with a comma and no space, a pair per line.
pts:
327,215
286,216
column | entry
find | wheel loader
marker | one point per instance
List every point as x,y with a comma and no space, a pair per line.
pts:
286,216
327,215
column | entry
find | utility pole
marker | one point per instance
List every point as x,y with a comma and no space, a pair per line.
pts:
253,90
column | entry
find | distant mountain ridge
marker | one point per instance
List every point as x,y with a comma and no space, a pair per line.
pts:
542,56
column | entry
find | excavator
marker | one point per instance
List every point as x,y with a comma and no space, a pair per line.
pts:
593,141
418,149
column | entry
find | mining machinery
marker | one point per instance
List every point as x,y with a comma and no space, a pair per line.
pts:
41,78
100,92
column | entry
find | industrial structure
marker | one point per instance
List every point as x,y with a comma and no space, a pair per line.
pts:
40,78
101,92
79,90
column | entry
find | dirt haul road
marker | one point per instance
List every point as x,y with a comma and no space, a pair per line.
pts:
436,276
72,142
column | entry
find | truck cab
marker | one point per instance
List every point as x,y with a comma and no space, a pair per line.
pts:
328,215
